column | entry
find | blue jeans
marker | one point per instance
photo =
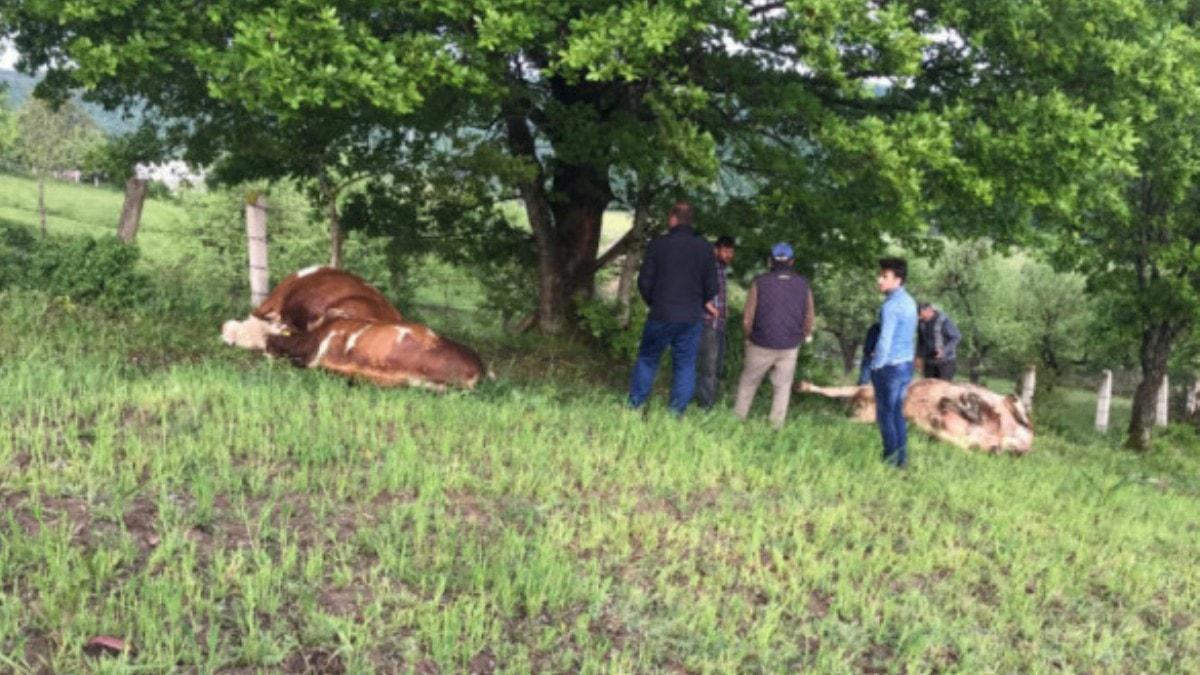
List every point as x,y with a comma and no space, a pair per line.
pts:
891,386
684,340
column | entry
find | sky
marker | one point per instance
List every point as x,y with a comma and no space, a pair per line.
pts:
8,56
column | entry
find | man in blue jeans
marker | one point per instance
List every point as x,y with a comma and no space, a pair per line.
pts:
892,362
678,280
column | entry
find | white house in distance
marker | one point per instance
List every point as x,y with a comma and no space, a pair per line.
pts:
175,174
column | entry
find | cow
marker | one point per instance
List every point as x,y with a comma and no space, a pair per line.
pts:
389,354
306,299
966,415
321,317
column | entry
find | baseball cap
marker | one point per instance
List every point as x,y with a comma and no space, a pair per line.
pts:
782,251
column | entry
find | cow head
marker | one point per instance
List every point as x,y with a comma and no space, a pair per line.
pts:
1020,439
249,334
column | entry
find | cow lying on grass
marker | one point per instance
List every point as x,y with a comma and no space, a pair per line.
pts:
389,354
965,415
325,318
306,299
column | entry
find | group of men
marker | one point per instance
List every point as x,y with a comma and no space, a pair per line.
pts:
683,280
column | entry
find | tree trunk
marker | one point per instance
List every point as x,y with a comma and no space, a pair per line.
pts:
1193,401
632,261
567,224
1028,387
975,367
579,198
629,269
336,236
1104,402
42,201
131,210
1154,352
1162,407
256,244
336,241
848,346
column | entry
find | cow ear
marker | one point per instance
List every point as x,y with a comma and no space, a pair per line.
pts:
1017,408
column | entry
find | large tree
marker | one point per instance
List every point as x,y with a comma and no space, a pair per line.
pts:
834,123
572,93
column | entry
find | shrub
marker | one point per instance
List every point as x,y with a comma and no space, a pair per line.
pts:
600,321
101,272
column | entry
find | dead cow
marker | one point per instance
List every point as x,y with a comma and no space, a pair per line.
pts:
306,299
965,415
388,354
322,317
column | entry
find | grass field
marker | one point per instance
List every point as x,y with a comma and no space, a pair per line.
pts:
75,209
223,513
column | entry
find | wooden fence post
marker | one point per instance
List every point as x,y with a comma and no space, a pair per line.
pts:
1164,399
1193,400
1028,385
1104,402
256,244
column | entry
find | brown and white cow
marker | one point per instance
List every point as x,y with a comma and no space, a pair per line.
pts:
965,415
306,299
389,354
321,317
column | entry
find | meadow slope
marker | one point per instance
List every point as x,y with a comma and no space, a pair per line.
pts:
223,513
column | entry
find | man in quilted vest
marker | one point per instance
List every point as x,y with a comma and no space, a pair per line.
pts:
777,320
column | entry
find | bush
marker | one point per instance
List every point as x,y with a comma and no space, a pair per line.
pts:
99,272
600,320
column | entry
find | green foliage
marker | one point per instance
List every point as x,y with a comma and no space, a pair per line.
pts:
1012,311
599,319
117,157
9,132
847,303
54,139
773,116
295,233
101,272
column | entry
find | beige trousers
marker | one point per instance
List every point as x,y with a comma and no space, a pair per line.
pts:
782,364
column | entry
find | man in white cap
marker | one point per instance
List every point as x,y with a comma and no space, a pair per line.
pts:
778,318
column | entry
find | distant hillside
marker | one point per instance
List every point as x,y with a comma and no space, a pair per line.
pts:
20,87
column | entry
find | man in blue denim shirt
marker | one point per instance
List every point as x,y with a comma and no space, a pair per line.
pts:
892,362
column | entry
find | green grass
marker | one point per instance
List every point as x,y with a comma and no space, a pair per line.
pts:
79,209
221,512
226,513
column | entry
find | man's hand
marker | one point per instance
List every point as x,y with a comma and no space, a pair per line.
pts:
712,310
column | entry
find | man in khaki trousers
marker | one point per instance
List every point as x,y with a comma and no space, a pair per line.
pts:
778,318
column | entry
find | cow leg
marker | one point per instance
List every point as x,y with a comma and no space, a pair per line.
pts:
298,348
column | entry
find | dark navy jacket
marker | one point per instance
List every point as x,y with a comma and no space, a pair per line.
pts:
678,275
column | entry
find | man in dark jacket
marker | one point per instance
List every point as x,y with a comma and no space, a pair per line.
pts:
777,319
711,365
937,342
678,280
